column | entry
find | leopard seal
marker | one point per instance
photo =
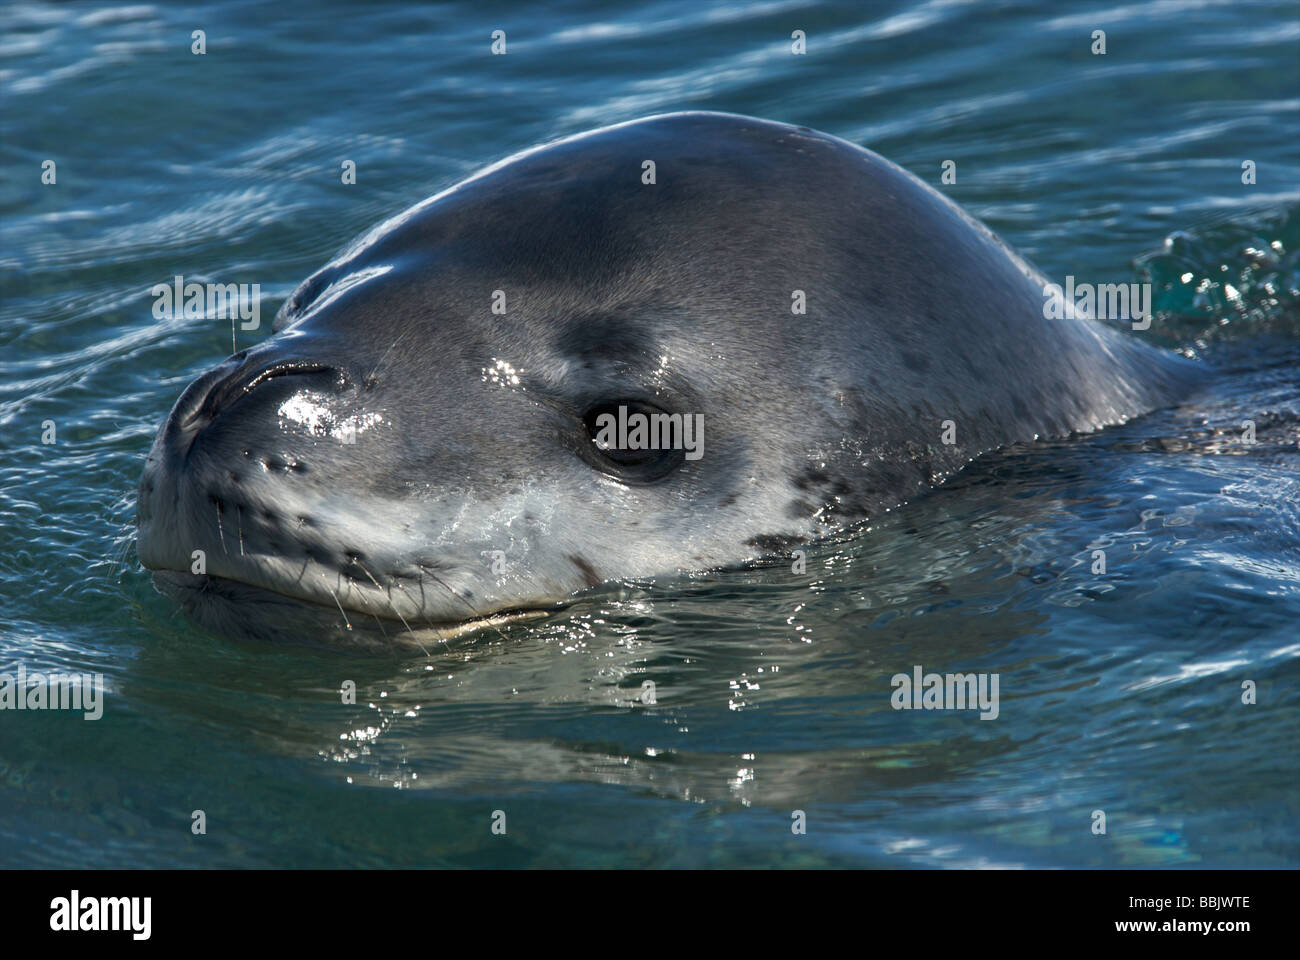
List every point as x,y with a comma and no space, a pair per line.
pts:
413,450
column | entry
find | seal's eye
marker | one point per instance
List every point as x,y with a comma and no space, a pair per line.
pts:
633,440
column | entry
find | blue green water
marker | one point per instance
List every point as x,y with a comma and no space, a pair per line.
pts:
1120,692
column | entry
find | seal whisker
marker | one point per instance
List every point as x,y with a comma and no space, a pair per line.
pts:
392,605
335,595
469,606
380,361
407,625
221,530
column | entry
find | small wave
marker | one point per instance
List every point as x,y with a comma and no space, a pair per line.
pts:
1227,280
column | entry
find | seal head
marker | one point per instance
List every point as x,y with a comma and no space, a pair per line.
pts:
418,446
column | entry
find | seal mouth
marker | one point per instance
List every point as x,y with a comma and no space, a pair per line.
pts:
222,604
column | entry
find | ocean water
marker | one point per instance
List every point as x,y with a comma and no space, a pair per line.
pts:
1120,692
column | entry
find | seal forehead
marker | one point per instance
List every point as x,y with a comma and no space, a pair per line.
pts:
571,228
582,189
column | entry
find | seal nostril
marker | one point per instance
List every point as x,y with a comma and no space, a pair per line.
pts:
195,397
222,387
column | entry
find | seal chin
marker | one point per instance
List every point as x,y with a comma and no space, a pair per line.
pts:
230,608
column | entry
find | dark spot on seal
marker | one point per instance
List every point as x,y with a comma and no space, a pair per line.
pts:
830,497
810,478
917,362
586,569
606,340
729,499
776,542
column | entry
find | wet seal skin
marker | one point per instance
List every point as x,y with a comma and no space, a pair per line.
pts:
413,453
